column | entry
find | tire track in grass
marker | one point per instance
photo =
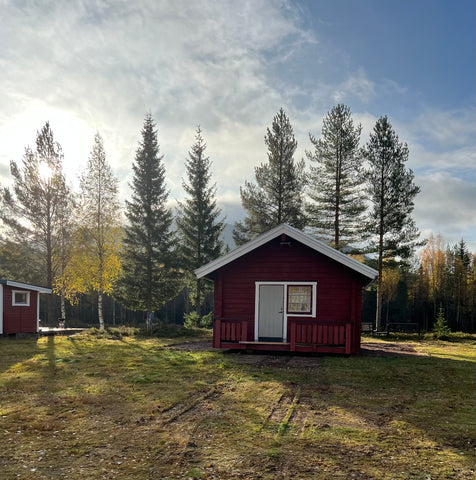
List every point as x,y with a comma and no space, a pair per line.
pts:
283,411
176,411
285,423
190,427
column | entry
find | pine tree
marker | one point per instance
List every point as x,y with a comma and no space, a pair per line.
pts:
336,180
198,225
277,195
34,211
148,279
391,192
94,264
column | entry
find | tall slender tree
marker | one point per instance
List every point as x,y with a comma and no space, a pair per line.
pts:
34,211
94,264
336,180
66,227
391,191
277,195
148,278
460,268
198,221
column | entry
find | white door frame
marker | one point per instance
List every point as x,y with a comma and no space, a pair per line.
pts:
285,305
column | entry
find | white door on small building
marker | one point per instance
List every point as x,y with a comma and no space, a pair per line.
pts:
270,313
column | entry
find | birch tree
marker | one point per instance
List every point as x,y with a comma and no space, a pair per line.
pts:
94,264
34,209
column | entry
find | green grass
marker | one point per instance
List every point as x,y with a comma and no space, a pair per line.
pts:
123,405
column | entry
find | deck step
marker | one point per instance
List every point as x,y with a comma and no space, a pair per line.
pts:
263,343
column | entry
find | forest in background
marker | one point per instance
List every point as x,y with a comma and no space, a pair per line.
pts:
133,264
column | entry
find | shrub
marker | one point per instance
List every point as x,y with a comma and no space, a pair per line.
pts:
194,320
441,330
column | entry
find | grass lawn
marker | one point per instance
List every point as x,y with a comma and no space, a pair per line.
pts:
124,407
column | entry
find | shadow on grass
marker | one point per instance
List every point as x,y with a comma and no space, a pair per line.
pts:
16,350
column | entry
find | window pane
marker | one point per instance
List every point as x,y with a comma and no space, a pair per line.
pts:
299,299
20,298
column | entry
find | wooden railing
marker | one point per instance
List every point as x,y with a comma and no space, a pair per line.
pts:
229,331
329,334
305,335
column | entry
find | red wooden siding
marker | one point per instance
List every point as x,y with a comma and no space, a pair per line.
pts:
338,291
19,319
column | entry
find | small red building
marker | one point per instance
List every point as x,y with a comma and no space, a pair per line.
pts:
287,291
20,307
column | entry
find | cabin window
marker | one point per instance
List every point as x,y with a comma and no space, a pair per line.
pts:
20,298
299,298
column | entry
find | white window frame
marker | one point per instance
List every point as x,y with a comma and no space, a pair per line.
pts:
299,312
285,304
22,304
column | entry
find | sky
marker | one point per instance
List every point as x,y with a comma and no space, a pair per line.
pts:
92,66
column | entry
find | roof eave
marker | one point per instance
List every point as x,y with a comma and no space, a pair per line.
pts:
26,286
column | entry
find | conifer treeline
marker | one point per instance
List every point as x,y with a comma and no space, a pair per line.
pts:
358,199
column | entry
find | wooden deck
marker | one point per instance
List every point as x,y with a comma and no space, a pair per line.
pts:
305,336
51,331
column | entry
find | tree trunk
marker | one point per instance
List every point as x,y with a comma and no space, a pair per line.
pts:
198,307
378,313
148,320
63,307
387,312
100,313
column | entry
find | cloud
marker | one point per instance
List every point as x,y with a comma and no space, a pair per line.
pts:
450,128
357,85
461,161
446,206
108,63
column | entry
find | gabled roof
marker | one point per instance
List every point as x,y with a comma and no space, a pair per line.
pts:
26,286
298,235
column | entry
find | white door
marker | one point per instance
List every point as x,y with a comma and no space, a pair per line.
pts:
270,313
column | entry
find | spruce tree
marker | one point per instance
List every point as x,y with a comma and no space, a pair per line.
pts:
336,180
148,280
277,195
199,227
391,191
460,271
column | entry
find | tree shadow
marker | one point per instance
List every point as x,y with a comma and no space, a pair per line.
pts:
51,356
16,350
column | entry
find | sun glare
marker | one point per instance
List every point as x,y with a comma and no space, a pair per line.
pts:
45,171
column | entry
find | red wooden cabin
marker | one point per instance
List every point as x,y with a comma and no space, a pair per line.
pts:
287,291
20,307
